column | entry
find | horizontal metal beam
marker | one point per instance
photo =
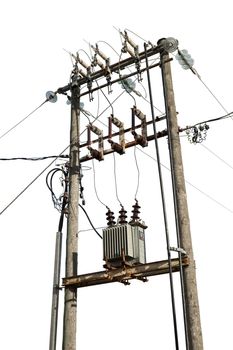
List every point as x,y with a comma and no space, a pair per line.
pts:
124,274
127,145
116,67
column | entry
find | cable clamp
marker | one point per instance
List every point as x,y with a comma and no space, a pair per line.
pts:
178,250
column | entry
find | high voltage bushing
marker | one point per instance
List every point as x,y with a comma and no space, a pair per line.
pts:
122,218
136,211
110,218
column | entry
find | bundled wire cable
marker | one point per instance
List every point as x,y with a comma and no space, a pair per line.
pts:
57,201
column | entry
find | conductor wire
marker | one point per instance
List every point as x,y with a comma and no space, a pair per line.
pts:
94,178
163,203
22,120
138,179
115,179
176,214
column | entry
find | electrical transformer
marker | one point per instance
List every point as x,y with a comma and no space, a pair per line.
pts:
124,244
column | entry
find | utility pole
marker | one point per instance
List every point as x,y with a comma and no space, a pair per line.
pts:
70,307
184,235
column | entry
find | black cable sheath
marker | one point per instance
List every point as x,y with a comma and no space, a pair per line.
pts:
176,222
163,203
90,221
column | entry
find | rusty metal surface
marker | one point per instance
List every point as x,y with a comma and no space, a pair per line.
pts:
124,274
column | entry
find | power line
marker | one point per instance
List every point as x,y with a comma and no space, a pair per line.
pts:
189,183
195,72
221,159
35,158
163,205
94,178
138,179
22,120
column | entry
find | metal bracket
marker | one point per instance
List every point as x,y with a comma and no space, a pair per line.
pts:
118,147
97,154
178,250
140,139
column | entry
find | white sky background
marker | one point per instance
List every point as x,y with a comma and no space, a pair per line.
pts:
32,62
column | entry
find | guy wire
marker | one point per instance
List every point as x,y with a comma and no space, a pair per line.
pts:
22,120
163,203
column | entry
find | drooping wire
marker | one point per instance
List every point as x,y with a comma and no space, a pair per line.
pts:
163,205
110,104
114,159
22,120
105,42
95,188
88,218
115,179
122,80
144,40
146,154
57,201
138,179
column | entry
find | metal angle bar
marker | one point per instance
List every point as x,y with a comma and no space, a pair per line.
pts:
120,79
114,67
127,145
124,274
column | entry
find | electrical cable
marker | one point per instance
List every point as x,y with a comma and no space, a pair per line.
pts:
95,189
56,201
212,93
144,40
189,183
35,158
195,72
138,180
114,159
122,81
226,116
91,229
176,213
22,120
222,160
57,268
105,42
163,205
30,183
90,221
115,179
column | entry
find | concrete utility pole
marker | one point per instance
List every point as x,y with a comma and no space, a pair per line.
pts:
70,307
184,235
